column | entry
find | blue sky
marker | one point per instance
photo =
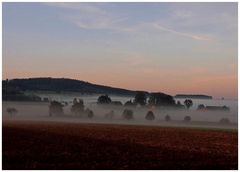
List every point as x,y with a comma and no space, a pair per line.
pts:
170,47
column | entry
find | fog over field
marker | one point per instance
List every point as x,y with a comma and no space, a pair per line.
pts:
120,86
40,111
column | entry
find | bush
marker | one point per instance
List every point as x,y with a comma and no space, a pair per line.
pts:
187,118
127,114
55,108
12,111
150,116
89,113
167,118
224,121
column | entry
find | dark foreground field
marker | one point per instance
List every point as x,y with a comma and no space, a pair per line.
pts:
55,145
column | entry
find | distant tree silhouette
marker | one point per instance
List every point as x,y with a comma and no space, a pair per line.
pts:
45,99
75,101
127,114
188,103
12,111
161,99
187,118
104,99
225,108
140,98
217,108
89,113
150,116
11,93
167,118
77,107
201,107
179,103
55,108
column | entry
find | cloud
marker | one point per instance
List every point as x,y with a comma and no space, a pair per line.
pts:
97,23
93,16
192,36
216,19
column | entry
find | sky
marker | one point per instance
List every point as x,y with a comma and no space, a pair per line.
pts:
175,48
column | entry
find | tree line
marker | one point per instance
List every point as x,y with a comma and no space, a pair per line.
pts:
154,99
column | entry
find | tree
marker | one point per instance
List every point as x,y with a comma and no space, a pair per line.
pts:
188,103
150,116
201,107
179,103
127,114
167,118
104,99
161,99
56,108
12,111
75,101
225,108
89,113
45,99
77,107
140,98
187,118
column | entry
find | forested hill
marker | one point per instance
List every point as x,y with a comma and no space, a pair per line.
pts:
63,85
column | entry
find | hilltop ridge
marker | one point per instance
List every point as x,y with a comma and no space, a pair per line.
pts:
64,85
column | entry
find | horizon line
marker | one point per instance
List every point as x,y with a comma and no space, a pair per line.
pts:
103,85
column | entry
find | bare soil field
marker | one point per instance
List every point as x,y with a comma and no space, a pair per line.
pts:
61,145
